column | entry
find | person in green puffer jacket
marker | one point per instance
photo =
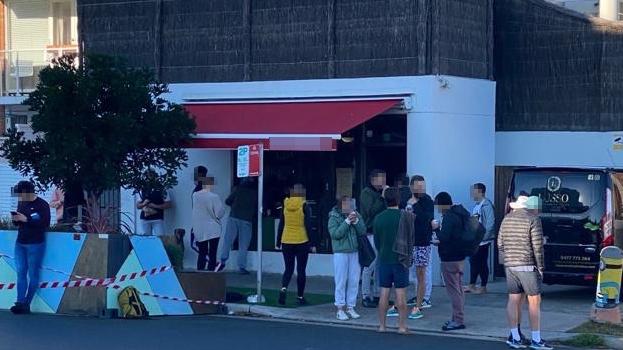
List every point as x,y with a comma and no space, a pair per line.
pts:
345,224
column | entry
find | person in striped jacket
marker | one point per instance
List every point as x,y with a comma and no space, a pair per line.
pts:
520,244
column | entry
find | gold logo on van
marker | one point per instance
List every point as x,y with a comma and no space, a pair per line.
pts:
553,183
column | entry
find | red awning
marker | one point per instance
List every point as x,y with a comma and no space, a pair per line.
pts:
281,125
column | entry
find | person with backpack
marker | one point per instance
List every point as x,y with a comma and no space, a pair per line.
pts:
479,263
345,225
207,213
452,250
296,240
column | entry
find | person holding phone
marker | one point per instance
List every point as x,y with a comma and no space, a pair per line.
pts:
32,219
345,224
295,238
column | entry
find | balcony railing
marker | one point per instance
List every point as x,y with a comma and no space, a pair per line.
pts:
20,69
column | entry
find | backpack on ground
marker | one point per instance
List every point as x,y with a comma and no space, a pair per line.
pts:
130,304
473,233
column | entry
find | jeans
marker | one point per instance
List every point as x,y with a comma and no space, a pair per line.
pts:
295,254
153,227
346,273
28,259
479,265
207,248
452,273
241,229
367,289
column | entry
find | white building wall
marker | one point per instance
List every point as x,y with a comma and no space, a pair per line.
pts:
563,149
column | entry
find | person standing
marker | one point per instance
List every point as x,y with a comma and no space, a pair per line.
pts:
392,273
402,183
423,207
154,201
451,253
520,246
295,237
243,203
207,213
479,263
32,219
345,225
58,202
371,204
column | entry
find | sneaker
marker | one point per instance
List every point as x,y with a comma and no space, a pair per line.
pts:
540,346
220,267
282,296
342,316
515,344
411,302
352,313
469,289
426,304
20,309
452,326
416,315
301,301
368,303
479,290
243,271
393,312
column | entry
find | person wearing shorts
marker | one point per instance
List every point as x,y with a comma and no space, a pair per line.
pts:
520,244
391,272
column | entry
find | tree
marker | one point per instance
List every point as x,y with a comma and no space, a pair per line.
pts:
100,126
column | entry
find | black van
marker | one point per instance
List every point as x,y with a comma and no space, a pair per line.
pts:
580,210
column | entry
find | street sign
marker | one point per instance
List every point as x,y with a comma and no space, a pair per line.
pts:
249,161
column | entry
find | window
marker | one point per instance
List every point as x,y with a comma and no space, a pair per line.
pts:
61,23
620,12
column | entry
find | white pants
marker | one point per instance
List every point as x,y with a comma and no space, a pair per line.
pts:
428,279
346,272
153,227
368,290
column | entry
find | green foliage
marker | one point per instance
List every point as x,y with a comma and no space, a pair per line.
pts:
100,125
176,255
591,341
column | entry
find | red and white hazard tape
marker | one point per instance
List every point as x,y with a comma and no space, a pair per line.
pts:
203,302
108,283
93,282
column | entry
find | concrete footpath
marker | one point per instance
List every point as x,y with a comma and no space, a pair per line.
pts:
563,309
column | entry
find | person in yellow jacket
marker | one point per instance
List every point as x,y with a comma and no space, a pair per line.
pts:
296,239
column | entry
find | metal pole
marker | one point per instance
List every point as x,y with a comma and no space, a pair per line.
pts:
17,87
260,198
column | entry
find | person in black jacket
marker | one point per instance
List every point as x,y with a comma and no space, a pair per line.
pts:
451,253
32,219
423,207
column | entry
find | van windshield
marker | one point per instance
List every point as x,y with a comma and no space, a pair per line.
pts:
563,192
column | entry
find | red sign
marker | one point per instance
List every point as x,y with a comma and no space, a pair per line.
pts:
255,160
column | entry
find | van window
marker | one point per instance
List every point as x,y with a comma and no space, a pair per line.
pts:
563,192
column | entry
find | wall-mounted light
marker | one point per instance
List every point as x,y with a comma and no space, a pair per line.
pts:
348,139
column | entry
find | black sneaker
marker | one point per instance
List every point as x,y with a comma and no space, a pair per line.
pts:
540,346
243,271
515,344
301,301
369,303
282,296
20,309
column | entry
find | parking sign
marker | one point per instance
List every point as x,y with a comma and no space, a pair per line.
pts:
249,160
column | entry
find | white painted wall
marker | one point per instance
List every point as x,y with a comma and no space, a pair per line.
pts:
609,9
564,149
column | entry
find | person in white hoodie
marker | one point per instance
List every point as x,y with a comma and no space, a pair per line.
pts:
208,211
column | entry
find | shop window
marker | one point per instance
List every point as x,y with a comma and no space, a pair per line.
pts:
61,23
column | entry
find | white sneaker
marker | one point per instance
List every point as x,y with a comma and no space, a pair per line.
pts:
352,313
342,316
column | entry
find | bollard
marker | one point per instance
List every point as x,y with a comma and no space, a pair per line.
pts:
606,308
